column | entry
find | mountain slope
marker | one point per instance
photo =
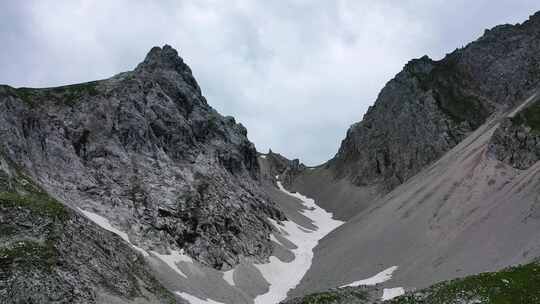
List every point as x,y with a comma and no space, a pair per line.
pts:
427,109
51,254
141,155
144,150
518,284
440,178
180,187
467,213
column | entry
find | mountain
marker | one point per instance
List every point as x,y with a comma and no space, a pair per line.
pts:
132,189
146,151
52,254
143,155
427,109
142,193
440,179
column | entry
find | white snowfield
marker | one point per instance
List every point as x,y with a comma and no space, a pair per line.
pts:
283,276
194,300
390,293
379,278
105,224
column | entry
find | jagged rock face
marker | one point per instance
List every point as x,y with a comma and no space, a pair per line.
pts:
517,139
285,168
431,106
51,254
146,151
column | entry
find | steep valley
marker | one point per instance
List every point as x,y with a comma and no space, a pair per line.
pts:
133,189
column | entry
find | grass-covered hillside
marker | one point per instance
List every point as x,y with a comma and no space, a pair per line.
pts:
514,285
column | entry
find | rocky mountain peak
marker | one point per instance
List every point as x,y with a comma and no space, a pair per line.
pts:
533,19
165,58
166,61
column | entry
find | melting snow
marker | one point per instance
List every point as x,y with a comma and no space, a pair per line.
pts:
228,277
105,224
284,276
274,239
390,293
380,277
194,300
174,258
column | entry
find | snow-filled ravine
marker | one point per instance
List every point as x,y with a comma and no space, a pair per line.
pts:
283,276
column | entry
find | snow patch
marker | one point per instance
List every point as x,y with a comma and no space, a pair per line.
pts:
172,259
274,239
390,293
380,277
228,277
194,300
105,224
283,276
263,156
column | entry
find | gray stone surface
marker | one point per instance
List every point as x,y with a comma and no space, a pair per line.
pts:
517,140
431,106
465,214
52,254
436,179
146,151
444,181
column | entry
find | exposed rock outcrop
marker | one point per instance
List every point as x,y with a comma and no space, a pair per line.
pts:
146,151
439,131
52,254
517,140
431,106
279,165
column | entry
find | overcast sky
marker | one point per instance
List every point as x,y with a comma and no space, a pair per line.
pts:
295,73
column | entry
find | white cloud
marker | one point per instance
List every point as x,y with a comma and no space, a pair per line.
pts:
296,73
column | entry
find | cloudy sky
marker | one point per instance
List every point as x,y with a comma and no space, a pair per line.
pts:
295,73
